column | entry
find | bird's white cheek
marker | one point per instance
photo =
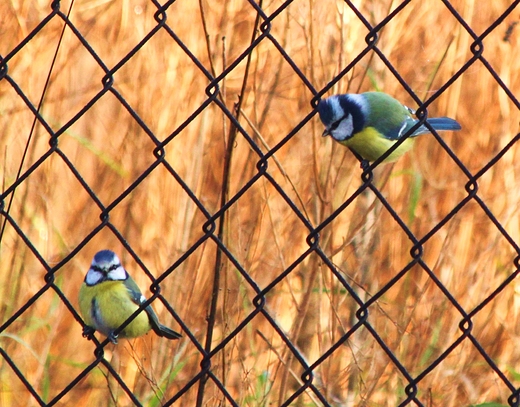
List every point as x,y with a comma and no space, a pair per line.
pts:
117,274
93,277
344,129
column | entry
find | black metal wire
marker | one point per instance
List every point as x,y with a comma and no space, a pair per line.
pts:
309,382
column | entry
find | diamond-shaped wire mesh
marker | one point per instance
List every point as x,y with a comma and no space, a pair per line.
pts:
182,135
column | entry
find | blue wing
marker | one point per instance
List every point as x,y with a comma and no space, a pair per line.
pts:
138,298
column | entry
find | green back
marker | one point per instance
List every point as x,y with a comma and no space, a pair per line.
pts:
387,115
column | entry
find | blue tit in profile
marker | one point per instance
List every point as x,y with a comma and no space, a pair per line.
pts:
370,123
109,296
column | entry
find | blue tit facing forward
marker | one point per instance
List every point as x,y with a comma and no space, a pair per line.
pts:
370,123
108,297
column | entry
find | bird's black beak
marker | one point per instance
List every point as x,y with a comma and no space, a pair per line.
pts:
325,133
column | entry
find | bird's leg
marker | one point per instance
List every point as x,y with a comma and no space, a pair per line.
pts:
364,164
112,338
88,331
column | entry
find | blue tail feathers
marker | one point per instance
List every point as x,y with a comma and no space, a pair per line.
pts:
444,123
438,123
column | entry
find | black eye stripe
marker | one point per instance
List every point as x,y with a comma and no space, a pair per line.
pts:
103,270
335,125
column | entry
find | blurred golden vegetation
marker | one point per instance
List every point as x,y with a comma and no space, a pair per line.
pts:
469,255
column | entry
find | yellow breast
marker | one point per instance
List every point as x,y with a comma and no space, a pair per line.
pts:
371,145
105,306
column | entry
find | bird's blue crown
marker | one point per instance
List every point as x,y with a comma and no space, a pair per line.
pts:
326,112
104,256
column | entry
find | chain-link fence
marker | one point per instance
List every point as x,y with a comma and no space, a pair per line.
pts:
183,136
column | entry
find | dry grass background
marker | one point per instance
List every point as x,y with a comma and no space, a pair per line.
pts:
160,222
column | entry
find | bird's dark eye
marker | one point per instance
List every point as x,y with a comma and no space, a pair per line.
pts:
335,125
97,268
113,267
